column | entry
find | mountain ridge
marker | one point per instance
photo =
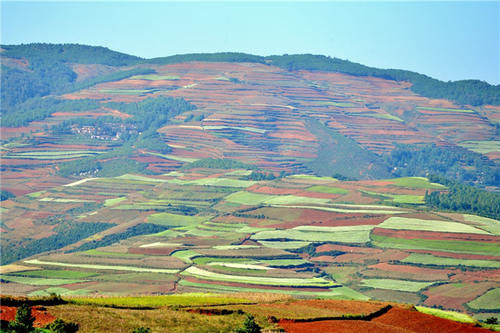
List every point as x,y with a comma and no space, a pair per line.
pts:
472,92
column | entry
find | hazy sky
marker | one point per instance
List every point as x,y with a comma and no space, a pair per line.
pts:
445,40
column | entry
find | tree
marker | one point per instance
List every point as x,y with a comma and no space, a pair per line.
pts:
24,320
249,326
492,321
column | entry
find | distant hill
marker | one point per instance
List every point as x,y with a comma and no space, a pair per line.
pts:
50,61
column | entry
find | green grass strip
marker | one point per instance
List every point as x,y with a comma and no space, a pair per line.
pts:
429,259
450,315
486,248
391,284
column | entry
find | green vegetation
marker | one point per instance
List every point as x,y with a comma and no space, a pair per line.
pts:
456,246
335,148
473,92
429,259
184,300
174,220
444,109
402,223
451,315
41,108
351,234
222,163
455,163
261,280
481,147
60,326
416,182
249,325
61,274
140,229
102,267
39,281
24,320
401,285
490,225
466,198
6,195
66,233
487,301
248,198
148,116
337,292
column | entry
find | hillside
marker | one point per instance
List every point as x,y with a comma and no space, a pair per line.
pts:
300,175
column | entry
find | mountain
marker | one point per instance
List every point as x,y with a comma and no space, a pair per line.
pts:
298,174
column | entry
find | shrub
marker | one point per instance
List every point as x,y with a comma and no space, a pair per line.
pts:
60,326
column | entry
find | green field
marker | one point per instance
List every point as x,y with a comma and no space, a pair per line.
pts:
185,255
444,109
194,299
490,225
51,273
114,201
102,267
335,293
240,128
35,281
398,198
416,182
402,223
346,210
224,182
284,245
260,280
428,259
451,315
248,198
489,301
175,220
53,155
351,234
63,200
310,177
400,285
482,147
486,248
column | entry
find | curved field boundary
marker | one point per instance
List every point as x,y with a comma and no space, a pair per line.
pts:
259,280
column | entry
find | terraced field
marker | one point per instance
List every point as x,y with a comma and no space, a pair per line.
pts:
280,236
275,219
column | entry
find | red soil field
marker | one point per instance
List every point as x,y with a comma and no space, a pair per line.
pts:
339,326
42,317
410,269
345,248
413,321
